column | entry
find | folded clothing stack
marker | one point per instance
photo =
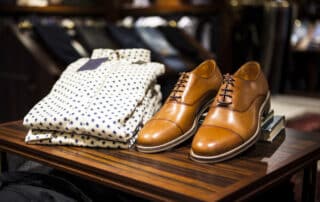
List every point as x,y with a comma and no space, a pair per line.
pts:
100,101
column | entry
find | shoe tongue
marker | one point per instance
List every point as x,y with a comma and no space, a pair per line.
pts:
204,69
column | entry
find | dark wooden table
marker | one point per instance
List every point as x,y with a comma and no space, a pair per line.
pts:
172,175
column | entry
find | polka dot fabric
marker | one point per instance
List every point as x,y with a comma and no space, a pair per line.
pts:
62,138
108,103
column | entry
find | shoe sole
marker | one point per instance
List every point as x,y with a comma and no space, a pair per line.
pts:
178,140
243,147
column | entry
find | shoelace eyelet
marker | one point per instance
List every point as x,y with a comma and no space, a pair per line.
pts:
228,81
180,84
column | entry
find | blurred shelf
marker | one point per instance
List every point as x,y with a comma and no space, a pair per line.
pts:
58,10
305,51
303,93
172,9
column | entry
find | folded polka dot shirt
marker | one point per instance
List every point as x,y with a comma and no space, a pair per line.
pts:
100,101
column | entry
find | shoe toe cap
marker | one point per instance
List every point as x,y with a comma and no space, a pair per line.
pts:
212,141
158,132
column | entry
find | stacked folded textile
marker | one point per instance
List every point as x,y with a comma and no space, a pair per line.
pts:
98,102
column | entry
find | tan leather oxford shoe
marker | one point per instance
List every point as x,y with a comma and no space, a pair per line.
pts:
233,122
178,118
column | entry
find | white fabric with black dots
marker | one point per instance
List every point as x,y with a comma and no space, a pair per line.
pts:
148,108
108,103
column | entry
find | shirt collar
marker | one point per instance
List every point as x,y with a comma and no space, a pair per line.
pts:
131,55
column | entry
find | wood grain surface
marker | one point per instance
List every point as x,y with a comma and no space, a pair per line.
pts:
172,175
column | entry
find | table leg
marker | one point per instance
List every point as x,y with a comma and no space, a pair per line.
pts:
4,162
309,183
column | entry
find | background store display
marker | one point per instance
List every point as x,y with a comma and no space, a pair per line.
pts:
50,45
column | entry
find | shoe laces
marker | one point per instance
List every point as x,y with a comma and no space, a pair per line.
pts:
225,91
179,87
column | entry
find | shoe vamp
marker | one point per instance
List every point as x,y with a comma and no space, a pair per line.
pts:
244,123
181,114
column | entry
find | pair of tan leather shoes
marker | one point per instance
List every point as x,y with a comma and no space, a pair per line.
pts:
237,104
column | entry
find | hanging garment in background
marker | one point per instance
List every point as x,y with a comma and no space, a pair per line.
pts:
125,37
160,45
206,36
156,41
189,24
107,97
177,38
58,42
94,37
207,33
247,35
275,45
